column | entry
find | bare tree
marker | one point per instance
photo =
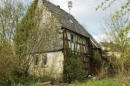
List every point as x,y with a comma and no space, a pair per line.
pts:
123,9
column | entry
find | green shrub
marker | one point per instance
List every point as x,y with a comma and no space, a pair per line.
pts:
8,64
23,79
73,69
10,69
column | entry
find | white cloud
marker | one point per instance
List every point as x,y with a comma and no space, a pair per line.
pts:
104,37
101,37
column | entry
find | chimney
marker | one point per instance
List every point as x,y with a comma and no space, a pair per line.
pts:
70,5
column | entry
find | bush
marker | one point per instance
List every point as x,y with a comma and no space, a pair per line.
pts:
7,64
73,69
10,68
23,79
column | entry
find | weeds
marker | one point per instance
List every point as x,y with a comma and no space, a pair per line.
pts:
105,82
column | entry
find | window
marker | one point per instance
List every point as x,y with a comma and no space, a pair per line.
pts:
44,60
72,38
36,60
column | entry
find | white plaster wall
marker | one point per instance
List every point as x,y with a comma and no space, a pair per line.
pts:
53,68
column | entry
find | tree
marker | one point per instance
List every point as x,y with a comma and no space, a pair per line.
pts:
35,33
124,8
73,69
11,13
117,30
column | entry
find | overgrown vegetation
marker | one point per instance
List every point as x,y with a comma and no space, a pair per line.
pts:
17,32
118,33
117,45
14,35
24,29
73,68
10,15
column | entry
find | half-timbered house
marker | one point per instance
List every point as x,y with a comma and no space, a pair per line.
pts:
50,53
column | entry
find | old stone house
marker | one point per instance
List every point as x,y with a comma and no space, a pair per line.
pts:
58,31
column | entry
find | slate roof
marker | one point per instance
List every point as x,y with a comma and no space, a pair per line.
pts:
69,22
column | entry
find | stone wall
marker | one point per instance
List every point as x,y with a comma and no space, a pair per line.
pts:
48,35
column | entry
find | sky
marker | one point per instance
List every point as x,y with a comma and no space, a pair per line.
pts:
85,12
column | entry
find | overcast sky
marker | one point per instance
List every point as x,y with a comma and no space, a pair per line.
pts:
84,11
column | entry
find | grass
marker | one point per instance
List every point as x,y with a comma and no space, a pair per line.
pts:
105,82
35,84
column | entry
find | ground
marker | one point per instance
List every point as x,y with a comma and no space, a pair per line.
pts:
103,82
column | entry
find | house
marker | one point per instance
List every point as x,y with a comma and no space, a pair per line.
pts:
111,49
56,32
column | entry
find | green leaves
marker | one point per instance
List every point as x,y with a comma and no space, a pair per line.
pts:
73,69
24,28
124,9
